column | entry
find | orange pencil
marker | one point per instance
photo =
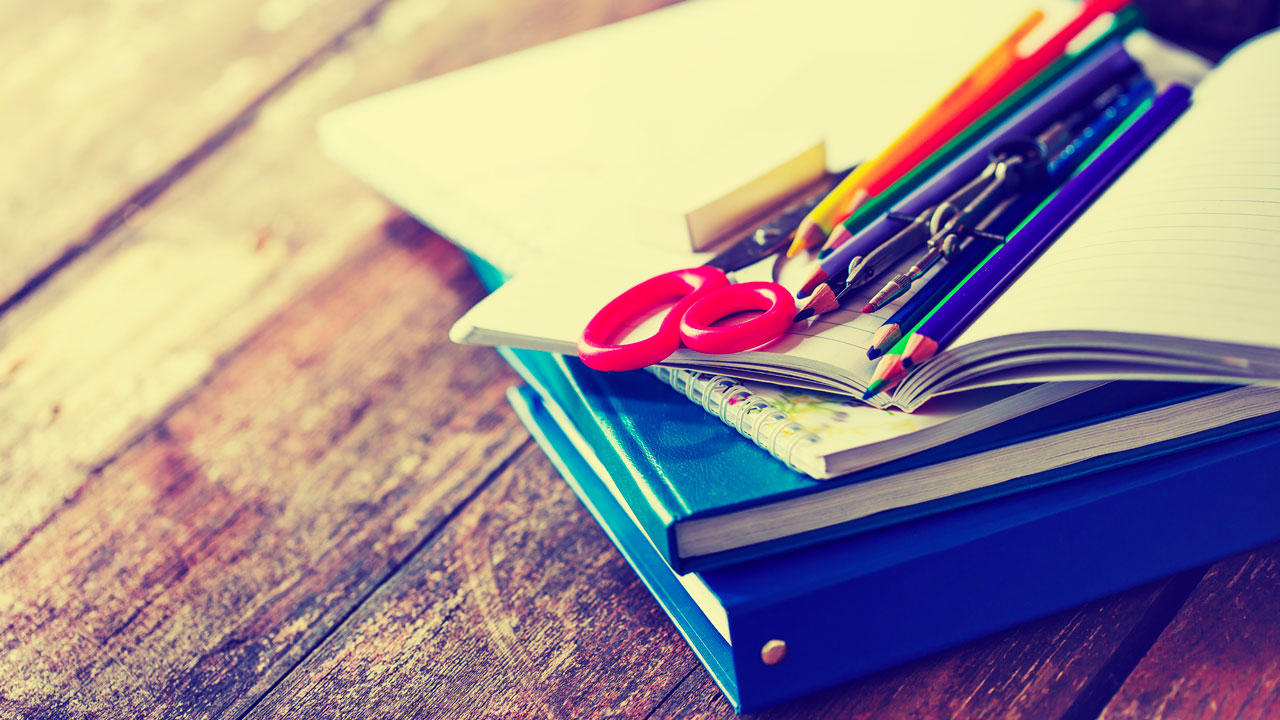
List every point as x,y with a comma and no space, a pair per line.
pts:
901,158
850,193
1020,71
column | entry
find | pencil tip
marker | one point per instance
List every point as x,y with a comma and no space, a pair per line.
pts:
808,234
825,253
837,238
918,350
869,308
823,300
796,247
885,336
803,315
818,277
886,376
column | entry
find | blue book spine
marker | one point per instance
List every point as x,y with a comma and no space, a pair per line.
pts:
858,605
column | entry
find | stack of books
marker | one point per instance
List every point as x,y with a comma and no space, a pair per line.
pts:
812,611
796,534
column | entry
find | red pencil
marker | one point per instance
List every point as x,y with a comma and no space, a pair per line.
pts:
1022,70
886,377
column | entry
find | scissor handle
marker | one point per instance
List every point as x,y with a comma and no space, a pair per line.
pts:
685,286
776,302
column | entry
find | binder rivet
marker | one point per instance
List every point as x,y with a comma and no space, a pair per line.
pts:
773,652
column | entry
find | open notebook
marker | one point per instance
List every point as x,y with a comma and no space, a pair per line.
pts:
1173,274
546,306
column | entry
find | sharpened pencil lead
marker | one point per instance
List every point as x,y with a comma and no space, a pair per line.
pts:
823,300
888,374
838,237
873,389
818,277
883,338
919,349
807,235
803,315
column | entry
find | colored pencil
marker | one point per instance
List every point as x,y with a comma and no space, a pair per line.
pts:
1125,22
888,373
1087,129
1018,73
1074,88
850,193
941,328
914,310
899,159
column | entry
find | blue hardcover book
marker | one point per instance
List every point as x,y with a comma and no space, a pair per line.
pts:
905,591
706,498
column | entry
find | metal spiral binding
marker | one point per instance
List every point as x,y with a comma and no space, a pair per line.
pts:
722,396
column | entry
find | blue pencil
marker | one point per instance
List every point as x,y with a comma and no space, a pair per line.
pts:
990,280
914,309
959,267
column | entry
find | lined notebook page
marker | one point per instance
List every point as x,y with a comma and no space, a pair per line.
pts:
837,339
1187,242
546,308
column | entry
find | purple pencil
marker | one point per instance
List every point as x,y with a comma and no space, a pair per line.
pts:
1074,88
991,279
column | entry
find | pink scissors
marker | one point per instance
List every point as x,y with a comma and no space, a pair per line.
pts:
703,295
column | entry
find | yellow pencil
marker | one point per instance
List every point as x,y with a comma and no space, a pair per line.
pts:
847,196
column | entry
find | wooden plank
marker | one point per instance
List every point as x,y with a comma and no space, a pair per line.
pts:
93,357
103,98
193,571
1218,657
521,608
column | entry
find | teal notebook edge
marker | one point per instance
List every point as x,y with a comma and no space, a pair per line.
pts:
542,372
657,576
630,421
862,604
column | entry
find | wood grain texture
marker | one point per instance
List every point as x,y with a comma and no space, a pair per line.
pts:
245,473
192,572
1037,670
116,338
103,99
520,608
189,573
1218,658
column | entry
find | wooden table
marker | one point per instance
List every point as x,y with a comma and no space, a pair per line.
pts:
245,474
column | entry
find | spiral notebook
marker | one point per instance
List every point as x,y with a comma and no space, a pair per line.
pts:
824,435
